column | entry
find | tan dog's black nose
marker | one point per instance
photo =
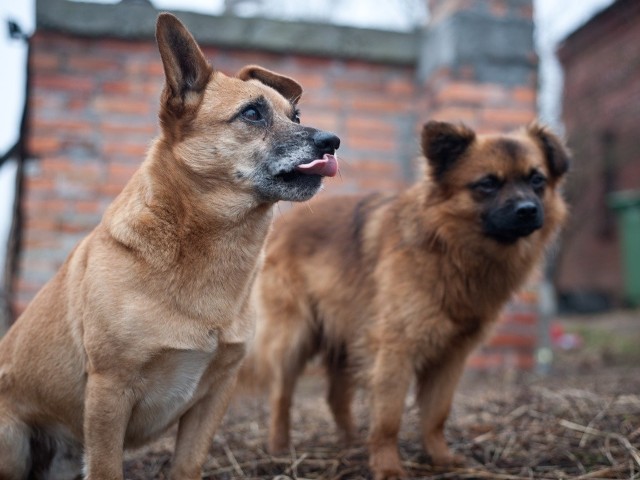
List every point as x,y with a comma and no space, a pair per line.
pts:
326,142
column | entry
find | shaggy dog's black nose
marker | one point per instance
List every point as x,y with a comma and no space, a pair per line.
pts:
526,210
326,142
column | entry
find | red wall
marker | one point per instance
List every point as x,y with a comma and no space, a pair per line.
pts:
601,98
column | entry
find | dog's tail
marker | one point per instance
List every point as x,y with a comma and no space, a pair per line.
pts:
32,452
15,449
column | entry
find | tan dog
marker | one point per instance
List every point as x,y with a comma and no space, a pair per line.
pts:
146,322
394,287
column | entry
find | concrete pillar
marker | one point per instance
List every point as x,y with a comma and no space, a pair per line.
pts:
477,63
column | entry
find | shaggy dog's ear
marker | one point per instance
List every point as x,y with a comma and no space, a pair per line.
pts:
555,152
186,70
443,144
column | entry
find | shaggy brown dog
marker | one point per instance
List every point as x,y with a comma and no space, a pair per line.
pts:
146,322
391,287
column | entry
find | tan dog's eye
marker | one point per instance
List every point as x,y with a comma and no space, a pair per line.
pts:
252,114
296,116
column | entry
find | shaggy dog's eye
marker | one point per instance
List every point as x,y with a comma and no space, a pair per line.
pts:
488,185
296,117
252,114
537,181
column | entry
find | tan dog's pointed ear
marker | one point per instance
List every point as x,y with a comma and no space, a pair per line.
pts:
285,86
555,152
186,70
443,143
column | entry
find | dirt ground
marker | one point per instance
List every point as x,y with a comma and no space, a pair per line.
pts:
581,421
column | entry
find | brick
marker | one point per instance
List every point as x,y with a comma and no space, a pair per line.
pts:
319,102
135,150
72,228
465,92
522,318
118,87
69,83
507,117
379,168
109,127
322,121
121,171
520,361
121,105
485,361
456,115
503,339
53,165
499,8
524,95
370,125
44,61
50,206
39,184
112,188
380,143
310,63
87,206
527,297
38,223
57,124
43,144
128,49
310,81
402,87
376,105
78,104
96,65
347,84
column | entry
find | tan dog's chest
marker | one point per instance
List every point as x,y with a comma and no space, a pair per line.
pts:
170,387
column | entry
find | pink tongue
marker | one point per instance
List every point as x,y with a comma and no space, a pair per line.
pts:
327,166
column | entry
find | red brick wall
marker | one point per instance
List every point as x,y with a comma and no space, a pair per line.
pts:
601,99
94,109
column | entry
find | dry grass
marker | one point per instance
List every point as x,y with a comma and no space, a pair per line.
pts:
567,426
580,422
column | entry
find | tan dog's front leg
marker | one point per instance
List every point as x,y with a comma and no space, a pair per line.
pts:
107,411
391,377
199,424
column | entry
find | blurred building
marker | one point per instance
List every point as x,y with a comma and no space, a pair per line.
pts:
97,77
601,112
